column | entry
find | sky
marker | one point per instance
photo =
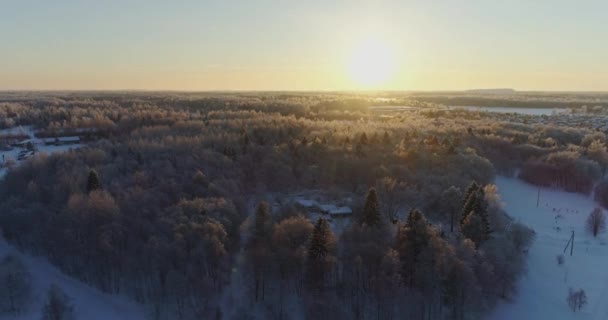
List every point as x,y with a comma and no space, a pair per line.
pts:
303,45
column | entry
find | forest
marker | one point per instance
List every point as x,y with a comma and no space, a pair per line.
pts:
181,201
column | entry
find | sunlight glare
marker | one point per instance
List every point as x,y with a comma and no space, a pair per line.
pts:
371,64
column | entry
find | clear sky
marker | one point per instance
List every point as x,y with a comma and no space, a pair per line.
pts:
303,45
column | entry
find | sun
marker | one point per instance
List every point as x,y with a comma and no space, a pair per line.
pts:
371,64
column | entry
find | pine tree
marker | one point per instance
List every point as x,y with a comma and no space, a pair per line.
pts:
363,139
245,143
469,205
474,220
470,200
474,228
386,139
262,222
93,182
411,239
371,213
472,187
318,253
413,216
317,248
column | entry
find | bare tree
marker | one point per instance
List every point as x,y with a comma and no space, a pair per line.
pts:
576,299
390,193
14,285
596,222
57,306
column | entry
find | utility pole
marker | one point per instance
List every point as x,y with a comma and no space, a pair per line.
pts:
572,244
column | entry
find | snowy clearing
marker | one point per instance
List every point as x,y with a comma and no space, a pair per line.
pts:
542,291
88,302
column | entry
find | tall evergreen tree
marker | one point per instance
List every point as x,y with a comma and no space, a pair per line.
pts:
93,182
363,139
318,254
470,189
413,216
386,139
474,200
411,239
317,248
476,229
474,220
245,143
371,213
262,222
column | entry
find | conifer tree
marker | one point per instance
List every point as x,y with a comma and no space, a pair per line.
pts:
472,187
473,199
262,222
386,139
474,220
245,143
475,229
411,239
318,254
413,216
317,249
371,213
93,182
363,139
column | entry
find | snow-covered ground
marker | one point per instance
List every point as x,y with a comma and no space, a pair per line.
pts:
542,291
88,302
13,154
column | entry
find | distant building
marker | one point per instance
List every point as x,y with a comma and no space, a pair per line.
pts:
341,212
326,209
61,140
308,204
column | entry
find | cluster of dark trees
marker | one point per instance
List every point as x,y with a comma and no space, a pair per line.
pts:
166,205
378,269
16,293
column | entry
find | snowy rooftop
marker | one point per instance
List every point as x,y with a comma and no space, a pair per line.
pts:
307,203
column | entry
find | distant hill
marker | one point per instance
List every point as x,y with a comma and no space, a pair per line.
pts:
492,91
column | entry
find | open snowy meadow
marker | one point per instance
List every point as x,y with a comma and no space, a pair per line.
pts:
542,291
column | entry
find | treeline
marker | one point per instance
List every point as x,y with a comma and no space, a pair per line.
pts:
163,207
379,270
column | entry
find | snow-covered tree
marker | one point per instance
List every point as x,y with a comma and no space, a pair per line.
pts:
371,213
93,182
